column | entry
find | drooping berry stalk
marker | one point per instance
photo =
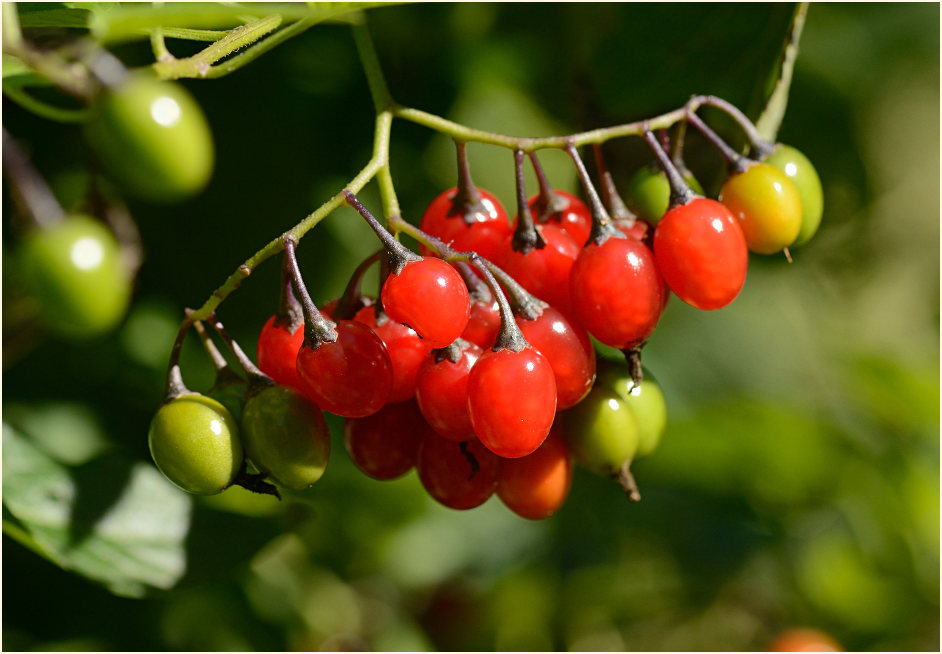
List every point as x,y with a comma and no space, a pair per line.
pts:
526,237
611,200
681,193
602,226
736,162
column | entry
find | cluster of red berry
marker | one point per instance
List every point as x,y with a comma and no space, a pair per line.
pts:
475,364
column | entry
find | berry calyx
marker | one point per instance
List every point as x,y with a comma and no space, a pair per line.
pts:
563,209
545,272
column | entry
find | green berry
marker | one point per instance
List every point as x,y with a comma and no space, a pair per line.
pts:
153,138
649,192
646,403
601,431
195,443
286,437
75,271
803,175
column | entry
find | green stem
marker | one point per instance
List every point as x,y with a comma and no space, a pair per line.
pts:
16,93
528,145
186,34
379,91
201,65
159,47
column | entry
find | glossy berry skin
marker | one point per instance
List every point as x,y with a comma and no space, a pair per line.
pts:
536,485
512,401
429,296
75,271
569,351
701,253
286,437
448,476
804,640
574,218
385,445
646,403
350,377
545,272
195,443
406,351
767,206
649,192
617,291
152,137
601,432
639,229
483,323
486,233
277,352
442,393
799,169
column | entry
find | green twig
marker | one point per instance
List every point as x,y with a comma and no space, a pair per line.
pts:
16,93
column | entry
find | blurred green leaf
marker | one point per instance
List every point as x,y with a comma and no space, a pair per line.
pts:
120,524
56,17
67,431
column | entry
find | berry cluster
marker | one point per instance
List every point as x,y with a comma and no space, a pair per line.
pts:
475,362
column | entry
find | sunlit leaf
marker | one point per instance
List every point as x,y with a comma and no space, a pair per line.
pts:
118,523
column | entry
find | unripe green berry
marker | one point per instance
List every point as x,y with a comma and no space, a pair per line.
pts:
286,437
194,441
601,431
75,271
153,138
803,175
649,192
646,403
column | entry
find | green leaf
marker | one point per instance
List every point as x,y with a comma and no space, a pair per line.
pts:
771,118
116,522
64,17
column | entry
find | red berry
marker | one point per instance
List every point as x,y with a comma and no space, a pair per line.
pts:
702,253
536,485
545,272
278,353
574,218
482,232
350,377
441,389
483,323
385,445
804,640
429,296
406,351
569,351
617,292
330,308
446,471
638,228
512,400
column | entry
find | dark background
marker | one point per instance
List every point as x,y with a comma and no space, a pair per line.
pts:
797,482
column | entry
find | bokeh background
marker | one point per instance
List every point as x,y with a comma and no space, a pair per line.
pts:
798,479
